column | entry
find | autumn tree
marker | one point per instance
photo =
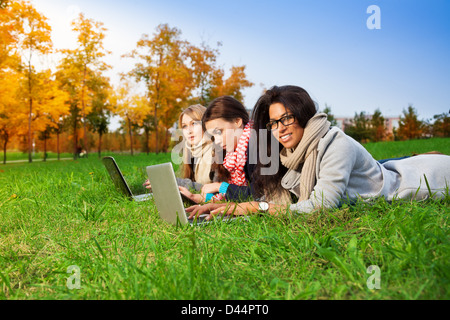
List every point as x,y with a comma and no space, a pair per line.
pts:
68,77
128,105
10,29
33,39
85,62
101,109
202,61
231,86
377,126
409,125
161,66
55,108
10,119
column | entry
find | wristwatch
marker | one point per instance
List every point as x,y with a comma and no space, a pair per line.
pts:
263,206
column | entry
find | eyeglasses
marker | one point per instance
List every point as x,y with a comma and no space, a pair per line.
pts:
286,121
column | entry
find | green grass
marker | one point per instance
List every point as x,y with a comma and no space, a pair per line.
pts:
58,214
394,149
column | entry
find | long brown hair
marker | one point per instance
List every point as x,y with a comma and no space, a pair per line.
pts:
228,109
196,113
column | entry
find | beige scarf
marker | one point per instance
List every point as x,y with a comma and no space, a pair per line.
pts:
202,154
306,153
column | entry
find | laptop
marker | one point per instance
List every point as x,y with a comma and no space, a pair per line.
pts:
119,181
168,199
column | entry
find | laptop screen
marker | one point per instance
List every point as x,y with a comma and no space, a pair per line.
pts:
116,176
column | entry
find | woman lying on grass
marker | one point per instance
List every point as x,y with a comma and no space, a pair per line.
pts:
322,167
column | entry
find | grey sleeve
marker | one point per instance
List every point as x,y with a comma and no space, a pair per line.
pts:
333,176
189,184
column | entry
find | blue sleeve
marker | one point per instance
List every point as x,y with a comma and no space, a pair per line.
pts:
224,187
208,196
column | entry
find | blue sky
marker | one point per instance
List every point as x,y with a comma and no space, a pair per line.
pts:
323,46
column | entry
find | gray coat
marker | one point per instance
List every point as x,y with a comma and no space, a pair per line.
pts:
345,171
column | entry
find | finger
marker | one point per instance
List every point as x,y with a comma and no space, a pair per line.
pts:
213,213
194,210
189,209
216,212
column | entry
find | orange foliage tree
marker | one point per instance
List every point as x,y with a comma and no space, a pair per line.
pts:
409,126
129,106
80,66
231,86
10,119
161,66
33,38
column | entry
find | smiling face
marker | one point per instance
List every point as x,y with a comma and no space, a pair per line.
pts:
226,134
192,130
289,136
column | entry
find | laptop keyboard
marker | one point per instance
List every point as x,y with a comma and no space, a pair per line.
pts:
199,219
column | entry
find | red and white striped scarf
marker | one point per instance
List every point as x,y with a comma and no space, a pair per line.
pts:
235,161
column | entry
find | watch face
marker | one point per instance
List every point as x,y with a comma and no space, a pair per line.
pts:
263,206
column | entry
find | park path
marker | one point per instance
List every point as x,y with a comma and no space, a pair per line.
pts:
35,160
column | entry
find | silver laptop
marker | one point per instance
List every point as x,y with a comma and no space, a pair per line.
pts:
120,182
168,199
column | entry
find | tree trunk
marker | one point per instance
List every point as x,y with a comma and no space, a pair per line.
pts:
4,149
131,135
156,130
100,144
147,137
45,147
85,142
166,140
75,139
31,110
57,144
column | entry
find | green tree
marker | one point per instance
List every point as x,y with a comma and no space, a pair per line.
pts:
330,115
359,128
441,125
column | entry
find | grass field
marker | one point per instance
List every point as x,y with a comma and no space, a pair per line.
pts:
55,215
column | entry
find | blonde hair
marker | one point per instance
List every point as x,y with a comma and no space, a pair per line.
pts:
196,112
